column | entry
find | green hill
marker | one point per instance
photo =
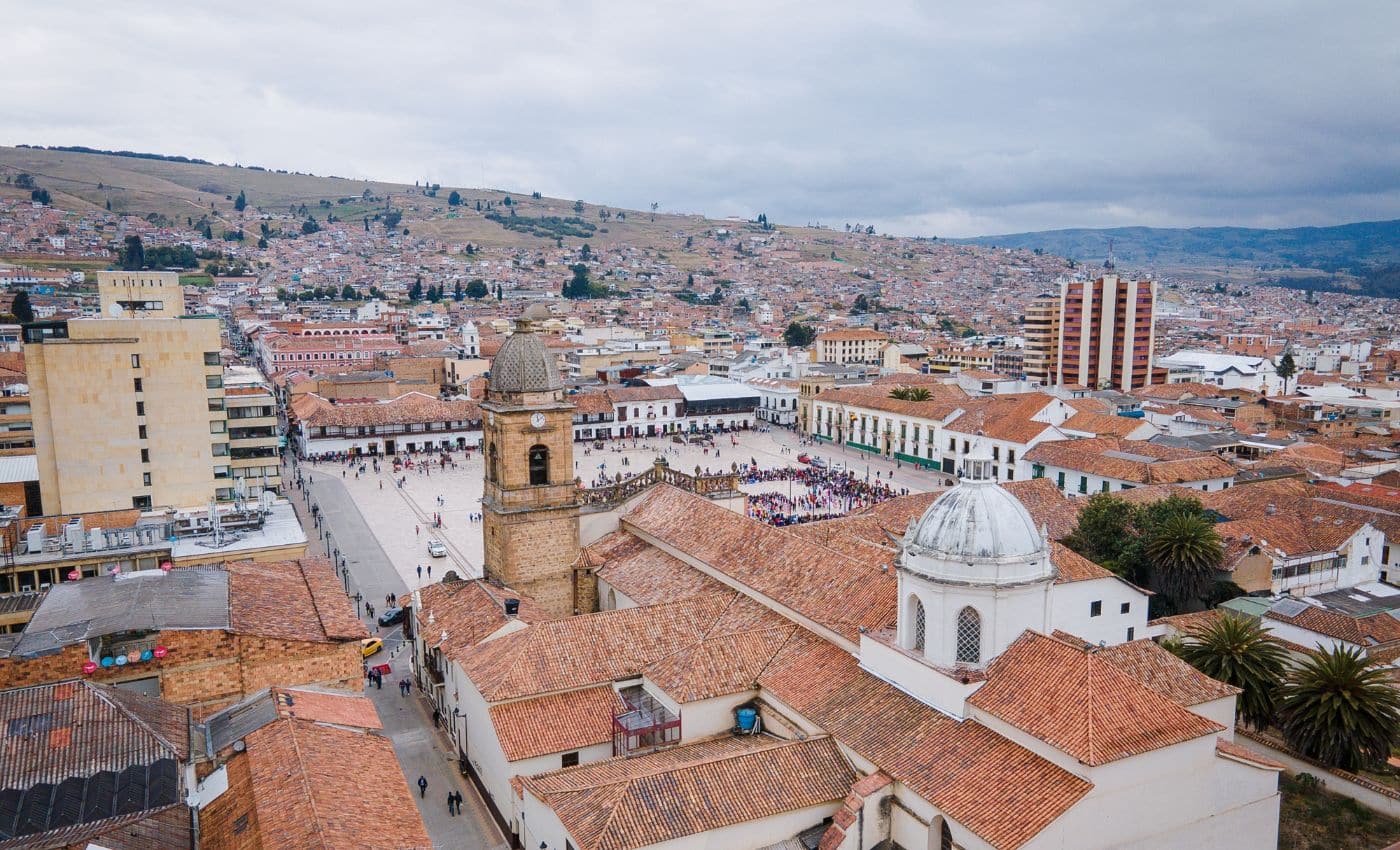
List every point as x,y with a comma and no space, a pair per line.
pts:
1353,248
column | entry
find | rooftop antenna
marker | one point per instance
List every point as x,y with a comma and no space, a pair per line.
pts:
1108,263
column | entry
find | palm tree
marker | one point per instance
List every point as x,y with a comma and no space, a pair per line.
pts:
1238,651
1184,551
1340,707
911,393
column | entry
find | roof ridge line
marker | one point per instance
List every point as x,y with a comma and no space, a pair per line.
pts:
305,782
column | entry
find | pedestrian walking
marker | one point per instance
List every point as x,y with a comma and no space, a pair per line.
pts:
416,530
430,572
458,795
451,803
422,786
420,572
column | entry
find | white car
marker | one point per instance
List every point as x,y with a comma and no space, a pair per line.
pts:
436,549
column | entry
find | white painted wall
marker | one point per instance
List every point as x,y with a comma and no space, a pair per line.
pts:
1071,604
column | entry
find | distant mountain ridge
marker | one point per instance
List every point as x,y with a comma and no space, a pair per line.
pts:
1355,248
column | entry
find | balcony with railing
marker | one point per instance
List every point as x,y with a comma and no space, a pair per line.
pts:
645,725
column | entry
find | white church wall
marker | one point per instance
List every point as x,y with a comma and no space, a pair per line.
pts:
1072,610
1215,802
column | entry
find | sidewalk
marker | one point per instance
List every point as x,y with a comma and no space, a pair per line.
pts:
421,749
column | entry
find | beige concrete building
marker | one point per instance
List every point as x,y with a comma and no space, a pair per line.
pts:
852,345
143,295
1042,330
129,412
252,430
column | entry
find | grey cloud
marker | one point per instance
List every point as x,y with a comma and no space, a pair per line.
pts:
926,118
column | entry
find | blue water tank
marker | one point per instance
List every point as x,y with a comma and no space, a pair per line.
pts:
746,717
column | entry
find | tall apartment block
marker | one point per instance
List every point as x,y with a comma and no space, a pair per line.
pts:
1042,332
1095,333
129,409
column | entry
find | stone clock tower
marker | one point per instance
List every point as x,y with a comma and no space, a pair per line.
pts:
530,504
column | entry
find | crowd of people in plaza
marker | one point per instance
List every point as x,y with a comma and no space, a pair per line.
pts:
829,494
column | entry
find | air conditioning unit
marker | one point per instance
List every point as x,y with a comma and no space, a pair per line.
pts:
34,539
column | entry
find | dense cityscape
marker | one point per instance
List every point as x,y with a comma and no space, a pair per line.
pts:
340,512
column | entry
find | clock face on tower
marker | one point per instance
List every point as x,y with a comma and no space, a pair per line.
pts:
537,420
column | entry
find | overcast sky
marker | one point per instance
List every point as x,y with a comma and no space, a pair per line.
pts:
938,118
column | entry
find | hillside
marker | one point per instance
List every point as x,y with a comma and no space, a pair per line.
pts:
180,190
1350,248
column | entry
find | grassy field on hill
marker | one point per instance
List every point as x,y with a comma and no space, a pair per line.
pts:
180,191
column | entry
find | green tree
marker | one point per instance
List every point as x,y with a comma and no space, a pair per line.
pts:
1238,651
41,196
348,292
476,289
241,202
24,181
1286,369
262,243
578,207
585,253
861,304
1184,551
911,393
454,199
580,285
1104,531
133,253
415,292
21,308
799,335
499,294
309,226
1340,707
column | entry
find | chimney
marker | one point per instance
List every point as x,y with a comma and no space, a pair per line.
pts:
512,607
1270,509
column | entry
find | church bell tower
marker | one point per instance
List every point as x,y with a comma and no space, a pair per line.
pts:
530,504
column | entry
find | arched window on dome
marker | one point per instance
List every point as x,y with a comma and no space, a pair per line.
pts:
917,625
539,464
969,636
945,837
491,462
612,601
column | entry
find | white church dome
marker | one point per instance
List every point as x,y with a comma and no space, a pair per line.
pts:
973,526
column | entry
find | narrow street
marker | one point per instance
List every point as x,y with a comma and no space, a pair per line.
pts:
421,749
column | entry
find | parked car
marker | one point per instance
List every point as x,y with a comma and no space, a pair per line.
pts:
436,549
391,616
804,458
370,646
818,463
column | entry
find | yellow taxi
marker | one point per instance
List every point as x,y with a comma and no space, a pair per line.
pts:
370,646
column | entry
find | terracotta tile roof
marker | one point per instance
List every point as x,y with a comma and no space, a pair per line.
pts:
1004,417
591,403
412,408
1361,631
1073,566
1081,704
1003,792
292,600
1164,673
1286,534
942,405
626,395
304,801
851,334
719,665
1047,505
1240,752
556,723
589,649
645,574
832,589
337,708
1109,457
626,803
468,612
1104,425
860,537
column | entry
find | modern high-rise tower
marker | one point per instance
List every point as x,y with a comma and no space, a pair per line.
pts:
1096,333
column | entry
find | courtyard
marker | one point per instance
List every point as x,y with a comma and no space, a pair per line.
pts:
403,516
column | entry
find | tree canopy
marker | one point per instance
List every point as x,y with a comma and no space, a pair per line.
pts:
21,308
799,335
